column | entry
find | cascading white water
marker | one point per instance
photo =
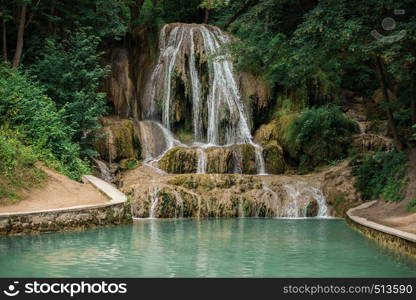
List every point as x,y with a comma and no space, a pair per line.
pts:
156,140
320,198
179,46
296,208
202,161
154,199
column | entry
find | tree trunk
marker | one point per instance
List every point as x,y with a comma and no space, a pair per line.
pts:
20,37
206,17
4,41
382,78
413,102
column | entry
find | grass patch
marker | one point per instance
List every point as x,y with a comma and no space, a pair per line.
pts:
17,168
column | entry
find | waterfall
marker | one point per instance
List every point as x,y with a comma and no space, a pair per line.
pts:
196,93
320,198
202,161
299,194
261,168
156,140
219,116
154,199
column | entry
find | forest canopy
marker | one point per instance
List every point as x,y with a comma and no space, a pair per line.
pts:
312,52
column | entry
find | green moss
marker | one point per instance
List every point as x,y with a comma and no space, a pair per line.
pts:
412,206
339,201
179,161
129,164
273,158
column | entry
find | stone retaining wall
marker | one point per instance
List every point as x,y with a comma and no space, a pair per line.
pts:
116,212
386,236
65,220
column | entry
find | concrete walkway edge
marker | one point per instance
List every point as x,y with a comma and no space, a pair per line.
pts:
382,228
114,195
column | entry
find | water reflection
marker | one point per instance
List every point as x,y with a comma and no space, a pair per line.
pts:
204,248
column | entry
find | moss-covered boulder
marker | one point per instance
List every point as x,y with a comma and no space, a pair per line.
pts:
129,164
312,209
266,133
117,140
179,160
274,158
219,160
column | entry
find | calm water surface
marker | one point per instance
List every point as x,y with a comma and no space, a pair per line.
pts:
204,248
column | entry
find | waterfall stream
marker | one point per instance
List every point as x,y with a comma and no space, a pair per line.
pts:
178,45
154,199
190,74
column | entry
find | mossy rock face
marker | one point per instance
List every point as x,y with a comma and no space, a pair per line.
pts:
266,133
219,160
118,140
129,164
245,156
179,160
273,158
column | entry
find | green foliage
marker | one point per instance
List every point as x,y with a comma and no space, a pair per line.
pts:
339,201
17,168
213,4
321,135
27,110
150,15
412,206
71,73
381,176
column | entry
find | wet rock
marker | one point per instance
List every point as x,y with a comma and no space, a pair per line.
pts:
266,133
274,158
312,209
128,164
372,142
119,86
179,160
219,195
65,220
119,140
219,160
338,186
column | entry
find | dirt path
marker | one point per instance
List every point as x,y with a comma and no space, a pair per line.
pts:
58,192
395,214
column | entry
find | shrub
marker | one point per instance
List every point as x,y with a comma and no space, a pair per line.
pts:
27,110
412,206
382,176
17,167
71,73
320,135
